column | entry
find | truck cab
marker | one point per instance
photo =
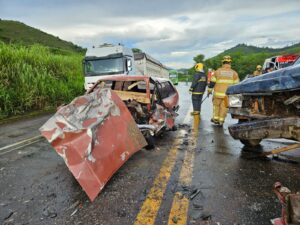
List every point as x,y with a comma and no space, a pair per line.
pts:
279,62
107,59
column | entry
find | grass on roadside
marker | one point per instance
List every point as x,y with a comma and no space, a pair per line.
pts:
35,78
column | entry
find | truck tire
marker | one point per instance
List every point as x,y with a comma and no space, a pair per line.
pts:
251,142
150,142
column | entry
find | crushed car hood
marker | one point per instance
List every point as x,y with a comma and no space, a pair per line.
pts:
276,81
95,135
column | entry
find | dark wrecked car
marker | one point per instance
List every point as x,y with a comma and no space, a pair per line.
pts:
267,106
96,133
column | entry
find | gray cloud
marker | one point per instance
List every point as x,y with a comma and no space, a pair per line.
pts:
172,31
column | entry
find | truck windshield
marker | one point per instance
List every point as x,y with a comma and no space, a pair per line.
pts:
96,67
285,64
297,61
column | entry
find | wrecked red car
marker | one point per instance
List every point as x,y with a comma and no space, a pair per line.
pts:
96,133
153,102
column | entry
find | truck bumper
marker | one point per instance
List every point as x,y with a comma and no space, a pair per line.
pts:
268,128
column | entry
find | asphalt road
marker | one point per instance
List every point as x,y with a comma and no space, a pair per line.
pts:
190,176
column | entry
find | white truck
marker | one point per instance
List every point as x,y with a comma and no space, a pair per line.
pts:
108,59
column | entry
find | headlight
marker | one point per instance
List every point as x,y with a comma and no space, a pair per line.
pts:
235,101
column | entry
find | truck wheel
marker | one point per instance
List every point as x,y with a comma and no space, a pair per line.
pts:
251,142
150,142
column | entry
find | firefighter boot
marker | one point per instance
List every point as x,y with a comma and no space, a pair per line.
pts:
196,119
220,124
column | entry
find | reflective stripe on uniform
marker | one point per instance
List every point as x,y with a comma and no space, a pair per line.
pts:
236,81
213,79
197,93
221,119
202,79
223,81
219,94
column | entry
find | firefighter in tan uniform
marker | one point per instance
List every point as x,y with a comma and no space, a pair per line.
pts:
258,70
220,81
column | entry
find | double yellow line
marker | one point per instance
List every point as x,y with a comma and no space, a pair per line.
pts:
148,212
180,205
179,210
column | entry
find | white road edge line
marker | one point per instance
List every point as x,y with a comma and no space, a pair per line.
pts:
21,142
3,153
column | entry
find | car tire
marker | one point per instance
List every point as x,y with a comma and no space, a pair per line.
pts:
150,142
251,142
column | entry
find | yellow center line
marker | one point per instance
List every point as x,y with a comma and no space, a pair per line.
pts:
180,205
151,205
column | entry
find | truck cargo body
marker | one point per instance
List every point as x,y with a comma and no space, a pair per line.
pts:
146,65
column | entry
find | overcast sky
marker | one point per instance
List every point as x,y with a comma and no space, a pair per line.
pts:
173,31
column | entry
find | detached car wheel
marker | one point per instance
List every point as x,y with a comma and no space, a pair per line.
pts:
251,142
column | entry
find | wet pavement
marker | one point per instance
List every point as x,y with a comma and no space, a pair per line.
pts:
187,178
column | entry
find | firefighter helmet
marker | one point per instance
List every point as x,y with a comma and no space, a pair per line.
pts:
258,67
199,67
227,59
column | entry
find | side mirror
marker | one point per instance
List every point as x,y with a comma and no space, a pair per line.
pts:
129,64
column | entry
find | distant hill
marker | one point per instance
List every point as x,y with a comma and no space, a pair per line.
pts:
183,70
20,33
249,49
246,57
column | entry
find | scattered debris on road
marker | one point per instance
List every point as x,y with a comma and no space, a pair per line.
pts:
194,193
290,213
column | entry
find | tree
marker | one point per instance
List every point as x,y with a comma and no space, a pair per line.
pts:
136,50
199,58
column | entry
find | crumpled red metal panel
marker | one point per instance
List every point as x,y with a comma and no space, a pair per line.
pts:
162,118
95,134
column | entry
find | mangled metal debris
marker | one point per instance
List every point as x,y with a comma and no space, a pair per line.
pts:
96,133
290,213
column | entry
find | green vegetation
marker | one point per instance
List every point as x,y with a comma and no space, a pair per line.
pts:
34,78
173,75
245,58
19,33
136,50
182,77
243,63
